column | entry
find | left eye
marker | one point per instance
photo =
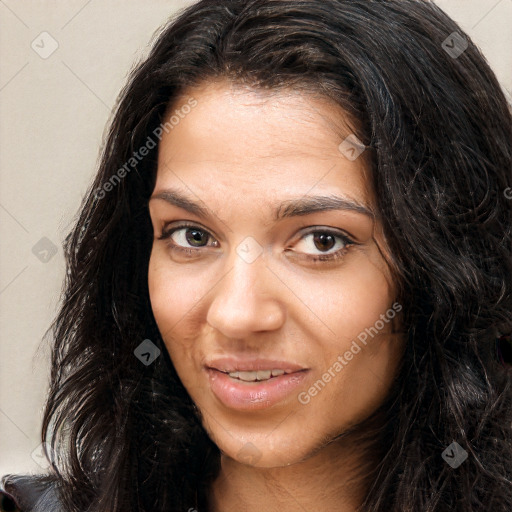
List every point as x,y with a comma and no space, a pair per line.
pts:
324,240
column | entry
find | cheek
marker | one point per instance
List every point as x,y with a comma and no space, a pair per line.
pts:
366,295
161,293
349,302
175,295
365,318
169,301
357,308
174,291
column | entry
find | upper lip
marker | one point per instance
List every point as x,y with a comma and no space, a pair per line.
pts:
231,364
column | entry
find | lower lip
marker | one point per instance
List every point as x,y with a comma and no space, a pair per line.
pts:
237,394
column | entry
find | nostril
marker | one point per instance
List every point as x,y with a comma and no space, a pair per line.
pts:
7,503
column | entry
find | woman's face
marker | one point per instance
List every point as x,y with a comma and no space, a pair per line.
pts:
237,287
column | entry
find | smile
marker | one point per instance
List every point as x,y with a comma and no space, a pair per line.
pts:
256,376
254,390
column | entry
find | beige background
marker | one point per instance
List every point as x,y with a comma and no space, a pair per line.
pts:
53,113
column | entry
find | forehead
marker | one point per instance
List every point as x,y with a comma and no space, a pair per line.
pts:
258,142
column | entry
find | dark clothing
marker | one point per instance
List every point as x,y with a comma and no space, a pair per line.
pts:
29,493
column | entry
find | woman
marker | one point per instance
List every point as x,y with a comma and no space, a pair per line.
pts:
211,353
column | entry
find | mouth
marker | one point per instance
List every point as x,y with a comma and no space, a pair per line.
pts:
257,376
253,385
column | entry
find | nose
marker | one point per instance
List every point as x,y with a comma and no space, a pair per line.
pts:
247,299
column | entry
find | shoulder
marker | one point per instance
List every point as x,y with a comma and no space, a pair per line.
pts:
29,493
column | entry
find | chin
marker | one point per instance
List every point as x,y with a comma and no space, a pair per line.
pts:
264,450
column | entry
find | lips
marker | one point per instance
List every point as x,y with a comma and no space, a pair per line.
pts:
236,383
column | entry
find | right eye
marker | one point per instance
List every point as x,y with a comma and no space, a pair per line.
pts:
186,238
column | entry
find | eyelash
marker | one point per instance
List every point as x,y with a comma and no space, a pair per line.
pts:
335,256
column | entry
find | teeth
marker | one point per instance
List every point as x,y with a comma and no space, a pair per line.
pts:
263,374
248,376
256,376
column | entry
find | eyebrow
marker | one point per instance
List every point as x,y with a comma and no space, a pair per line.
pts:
289,208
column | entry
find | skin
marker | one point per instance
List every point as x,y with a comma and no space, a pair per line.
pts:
239,153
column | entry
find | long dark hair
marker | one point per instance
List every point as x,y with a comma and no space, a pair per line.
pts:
125,436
